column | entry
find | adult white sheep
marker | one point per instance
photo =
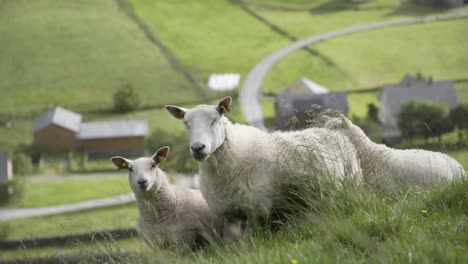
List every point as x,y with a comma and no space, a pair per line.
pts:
244,170
169,216
385,167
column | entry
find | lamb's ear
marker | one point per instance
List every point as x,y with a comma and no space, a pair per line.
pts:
224,106
160,155
326,119
120,162
175,111
345,121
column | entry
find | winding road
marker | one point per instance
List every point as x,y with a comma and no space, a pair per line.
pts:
251,92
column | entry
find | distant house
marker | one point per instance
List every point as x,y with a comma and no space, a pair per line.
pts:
6,168
62,130
116,137
56,130
297,100
393,96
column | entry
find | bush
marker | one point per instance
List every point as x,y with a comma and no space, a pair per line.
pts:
126,99
22,164
424,118
459,117
10,191
179,157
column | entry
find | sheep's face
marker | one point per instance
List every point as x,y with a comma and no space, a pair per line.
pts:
204,126
342,122
144,174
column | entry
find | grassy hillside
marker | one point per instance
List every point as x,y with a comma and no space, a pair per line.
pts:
304,18
209,36
237,40
76,53
372,59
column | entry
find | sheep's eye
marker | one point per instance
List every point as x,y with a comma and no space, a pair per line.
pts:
186,123
130,168
213,122
153,165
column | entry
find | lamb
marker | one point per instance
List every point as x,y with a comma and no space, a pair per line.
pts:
244,170
169,216
384,167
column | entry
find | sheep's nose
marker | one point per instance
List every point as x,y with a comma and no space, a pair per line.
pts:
197,147
141,181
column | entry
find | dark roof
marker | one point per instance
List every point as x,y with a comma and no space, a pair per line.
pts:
337,101
113,129
302,86
58,116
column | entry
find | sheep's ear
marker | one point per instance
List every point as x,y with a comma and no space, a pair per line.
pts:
345,121
160,155
120,162
175,111
224,106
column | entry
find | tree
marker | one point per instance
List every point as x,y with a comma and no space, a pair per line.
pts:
126,99
459,117
424,118
372,112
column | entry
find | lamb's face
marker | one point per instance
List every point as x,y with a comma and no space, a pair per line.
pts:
143,172
204,126
143,175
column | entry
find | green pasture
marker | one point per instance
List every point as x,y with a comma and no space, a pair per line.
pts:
65,191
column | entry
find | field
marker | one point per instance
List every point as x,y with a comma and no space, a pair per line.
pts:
64,191
407,225
78,53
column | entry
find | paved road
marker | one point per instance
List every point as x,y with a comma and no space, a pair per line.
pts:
14,213
251,92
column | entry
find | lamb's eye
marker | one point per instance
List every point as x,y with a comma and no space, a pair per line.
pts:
213,122
186,123
130,168
153,165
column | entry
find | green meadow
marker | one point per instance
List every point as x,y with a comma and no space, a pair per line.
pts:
78,53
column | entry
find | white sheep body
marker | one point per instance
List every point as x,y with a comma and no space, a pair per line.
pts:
169,216
385,167
252,166
174,217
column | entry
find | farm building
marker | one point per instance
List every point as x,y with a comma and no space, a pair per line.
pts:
302,97
116,137
56,130
62,130
393,96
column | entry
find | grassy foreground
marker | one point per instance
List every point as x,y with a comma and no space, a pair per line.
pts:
345,226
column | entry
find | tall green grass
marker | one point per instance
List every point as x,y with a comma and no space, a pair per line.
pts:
347,225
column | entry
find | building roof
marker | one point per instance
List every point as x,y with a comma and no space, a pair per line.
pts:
302,86
58,116
335,100
113,129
